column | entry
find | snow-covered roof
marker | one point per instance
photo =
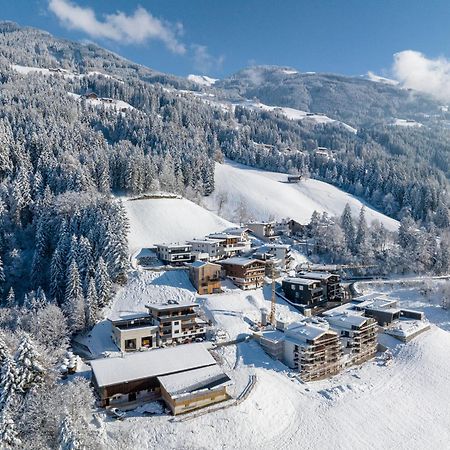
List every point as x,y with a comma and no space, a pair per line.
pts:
316,275
204,241
240,261
203,264
346,320
173,245
169,306
152,363
121,316
274,336
301,332
303,281
194,380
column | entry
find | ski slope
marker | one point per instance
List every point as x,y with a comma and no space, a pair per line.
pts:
159,220
265,195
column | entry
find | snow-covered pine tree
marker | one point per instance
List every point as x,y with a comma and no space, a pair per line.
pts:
91,305
73,299
10,301
2,276
85,261
57,276
9,381
348,227
102,283
30,370
67,439
8,432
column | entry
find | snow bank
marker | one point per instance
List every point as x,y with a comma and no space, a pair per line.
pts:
267,194
168,220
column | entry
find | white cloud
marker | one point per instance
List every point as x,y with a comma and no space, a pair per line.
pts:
204,61
432,76
138,27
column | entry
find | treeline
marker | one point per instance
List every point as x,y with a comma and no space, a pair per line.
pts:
411,249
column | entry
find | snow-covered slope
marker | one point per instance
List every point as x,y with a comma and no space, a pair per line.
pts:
377,79
296,114
168,220
203,80
119,105
267,194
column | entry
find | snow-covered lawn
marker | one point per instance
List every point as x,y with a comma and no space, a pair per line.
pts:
167,220
143,288
266,195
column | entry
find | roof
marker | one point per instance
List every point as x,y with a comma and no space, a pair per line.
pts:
301,332
194,380
345,320
199,264
269,246
304,281
204,241
173,245
151,363
169,306
316,275
273,335
240,261
223,236
119,316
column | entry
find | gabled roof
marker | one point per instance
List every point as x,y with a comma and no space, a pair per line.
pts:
198,264
302,281
240,261
151,363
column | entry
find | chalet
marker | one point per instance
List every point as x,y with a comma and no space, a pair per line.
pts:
91,95
358,335
289,227
185,377
205,276
194,389
174,253
330,283
262,230
281,252
229,244
294,178
245,273
134,332
177,322
211,247
303,291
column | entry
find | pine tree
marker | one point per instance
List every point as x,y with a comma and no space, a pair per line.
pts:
73,299
8,432
57,276
29,368
9,381
2,276
67,439
102,283
10,301
91,305
85,261
348,227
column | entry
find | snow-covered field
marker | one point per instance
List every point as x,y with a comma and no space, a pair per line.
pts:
168,220
407,123
296,114
119,105
265,195
405,405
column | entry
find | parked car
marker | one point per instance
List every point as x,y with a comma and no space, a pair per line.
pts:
117,413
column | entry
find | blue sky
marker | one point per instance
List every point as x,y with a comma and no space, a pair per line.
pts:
219,37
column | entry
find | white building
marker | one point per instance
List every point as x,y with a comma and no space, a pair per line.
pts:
174,253
281,253
211,247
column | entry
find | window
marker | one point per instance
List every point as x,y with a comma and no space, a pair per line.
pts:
147,341
177,322
130,344
293,287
